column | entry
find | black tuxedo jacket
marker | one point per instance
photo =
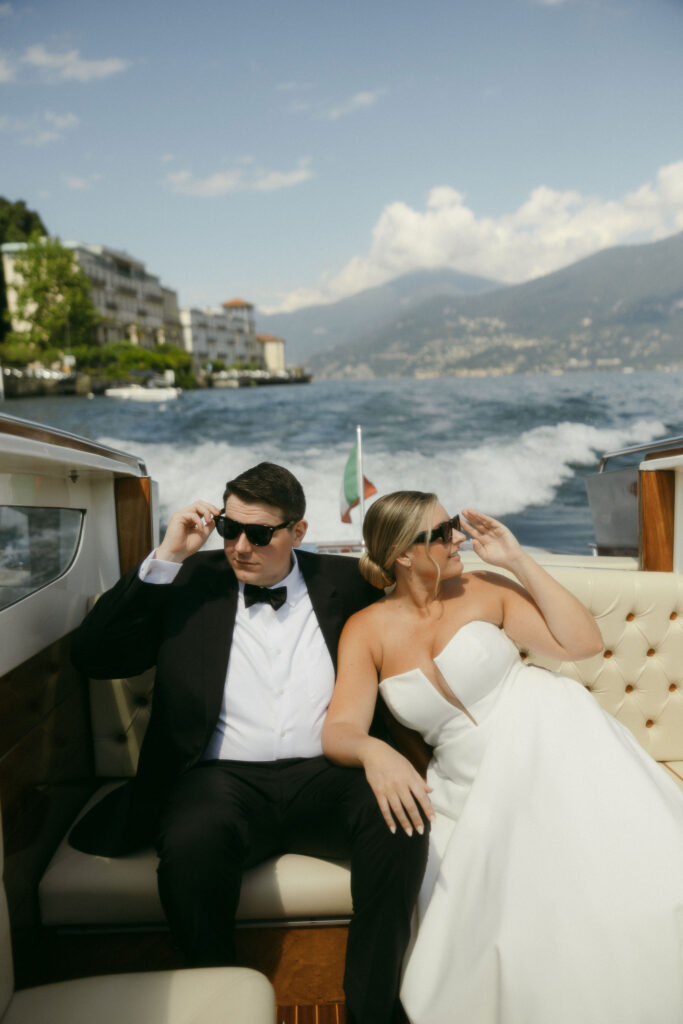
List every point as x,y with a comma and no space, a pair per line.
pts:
184,628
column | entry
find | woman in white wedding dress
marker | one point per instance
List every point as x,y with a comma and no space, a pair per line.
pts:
554,888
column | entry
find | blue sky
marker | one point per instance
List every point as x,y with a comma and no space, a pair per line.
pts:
297,152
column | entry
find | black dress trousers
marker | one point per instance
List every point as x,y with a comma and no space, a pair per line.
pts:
222,817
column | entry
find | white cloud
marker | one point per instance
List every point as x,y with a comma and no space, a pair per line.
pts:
359,101
294,86
78,184
39,129
167,158
244,178
550,230
61,121
70,65
6,70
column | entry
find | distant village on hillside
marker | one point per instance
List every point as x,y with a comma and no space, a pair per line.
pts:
134,306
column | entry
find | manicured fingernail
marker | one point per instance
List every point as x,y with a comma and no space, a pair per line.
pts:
409,831
392,829
421,829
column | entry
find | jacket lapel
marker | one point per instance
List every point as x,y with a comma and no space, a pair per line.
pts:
323,593
218,624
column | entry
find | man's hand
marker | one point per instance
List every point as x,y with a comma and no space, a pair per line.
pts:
187,531
398,787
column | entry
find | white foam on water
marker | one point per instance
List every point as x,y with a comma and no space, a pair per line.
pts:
500,477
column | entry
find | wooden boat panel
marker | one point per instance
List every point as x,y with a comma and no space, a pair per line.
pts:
133,497
656,492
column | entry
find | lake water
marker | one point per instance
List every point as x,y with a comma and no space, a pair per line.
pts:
516,447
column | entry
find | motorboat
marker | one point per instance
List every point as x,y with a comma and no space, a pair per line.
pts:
74,516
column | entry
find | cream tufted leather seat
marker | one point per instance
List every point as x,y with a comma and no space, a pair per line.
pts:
638,678
215,995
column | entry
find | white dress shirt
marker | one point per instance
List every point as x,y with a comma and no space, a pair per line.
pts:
279,679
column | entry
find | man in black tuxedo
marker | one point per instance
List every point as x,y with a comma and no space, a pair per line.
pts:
231,770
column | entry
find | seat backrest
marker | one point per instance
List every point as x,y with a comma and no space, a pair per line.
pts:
638,677
6,965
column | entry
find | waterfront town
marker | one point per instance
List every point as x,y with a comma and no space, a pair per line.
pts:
134,306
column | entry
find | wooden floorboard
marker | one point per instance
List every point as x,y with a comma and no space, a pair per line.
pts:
329,1013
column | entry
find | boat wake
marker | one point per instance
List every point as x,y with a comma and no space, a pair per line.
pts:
500,477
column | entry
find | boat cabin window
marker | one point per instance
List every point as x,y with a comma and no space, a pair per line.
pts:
37,545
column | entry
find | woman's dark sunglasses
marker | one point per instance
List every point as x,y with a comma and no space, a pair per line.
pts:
443,532
256,533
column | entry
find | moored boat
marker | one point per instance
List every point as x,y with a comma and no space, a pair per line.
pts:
138,393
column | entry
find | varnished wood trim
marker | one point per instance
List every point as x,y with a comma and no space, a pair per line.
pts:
133,520
62,439
656,491
666,453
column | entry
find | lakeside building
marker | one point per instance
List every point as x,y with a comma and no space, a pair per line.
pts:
227,334
133,303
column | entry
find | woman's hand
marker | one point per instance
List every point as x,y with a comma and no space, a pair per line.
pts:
187,531
492,541
399,789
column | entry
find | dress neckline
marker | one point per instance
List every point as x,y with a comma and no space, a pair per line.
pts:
410,671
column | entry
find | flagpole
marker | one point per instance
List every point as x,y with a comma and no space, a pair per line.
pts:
360,478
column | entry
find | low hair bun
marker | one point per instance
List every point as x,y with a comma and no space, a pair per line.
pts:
373,573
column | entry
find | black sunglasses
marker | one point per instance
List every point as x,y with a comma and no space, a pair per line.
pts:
256,533
443,532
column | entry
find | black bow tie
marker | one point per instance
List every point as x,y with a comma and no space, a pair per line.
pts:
275,596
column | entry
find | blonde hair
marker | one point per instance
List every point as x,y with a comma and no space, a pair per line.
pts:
390,526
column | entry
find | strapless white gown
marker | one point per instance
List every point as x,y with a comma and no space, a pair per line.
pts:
554,887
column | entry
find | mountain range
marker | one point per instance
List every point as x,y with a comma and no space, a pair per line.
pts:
318,328
620,308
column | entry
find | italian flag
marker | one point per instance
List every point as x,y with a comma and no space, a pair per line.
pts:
349,495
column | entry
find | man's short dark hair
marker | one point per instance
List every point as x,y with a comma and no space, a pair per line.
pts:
269,484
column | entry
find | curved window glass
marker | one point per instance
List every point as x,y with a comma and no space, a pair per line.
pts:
37,545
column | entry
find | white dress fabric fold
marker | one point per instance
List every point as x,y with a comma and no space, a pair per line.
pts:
554,887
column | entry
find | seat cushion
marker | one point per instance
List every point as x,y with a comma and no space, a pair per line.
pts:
83,889
207,995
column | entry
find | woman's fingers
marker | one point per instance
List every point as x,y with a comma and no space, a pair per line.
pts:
399,805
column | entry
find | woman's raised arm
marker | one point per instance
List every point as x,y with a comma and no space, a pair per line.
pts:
541,614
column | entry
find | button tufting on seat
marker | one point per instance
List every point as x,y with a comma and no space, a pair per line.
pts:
673,688
674,615
629,688
649,723
650,652
524,655
607,654
630,617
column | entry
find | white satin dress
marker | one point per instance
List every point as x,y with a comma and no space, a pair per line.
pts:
554,887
